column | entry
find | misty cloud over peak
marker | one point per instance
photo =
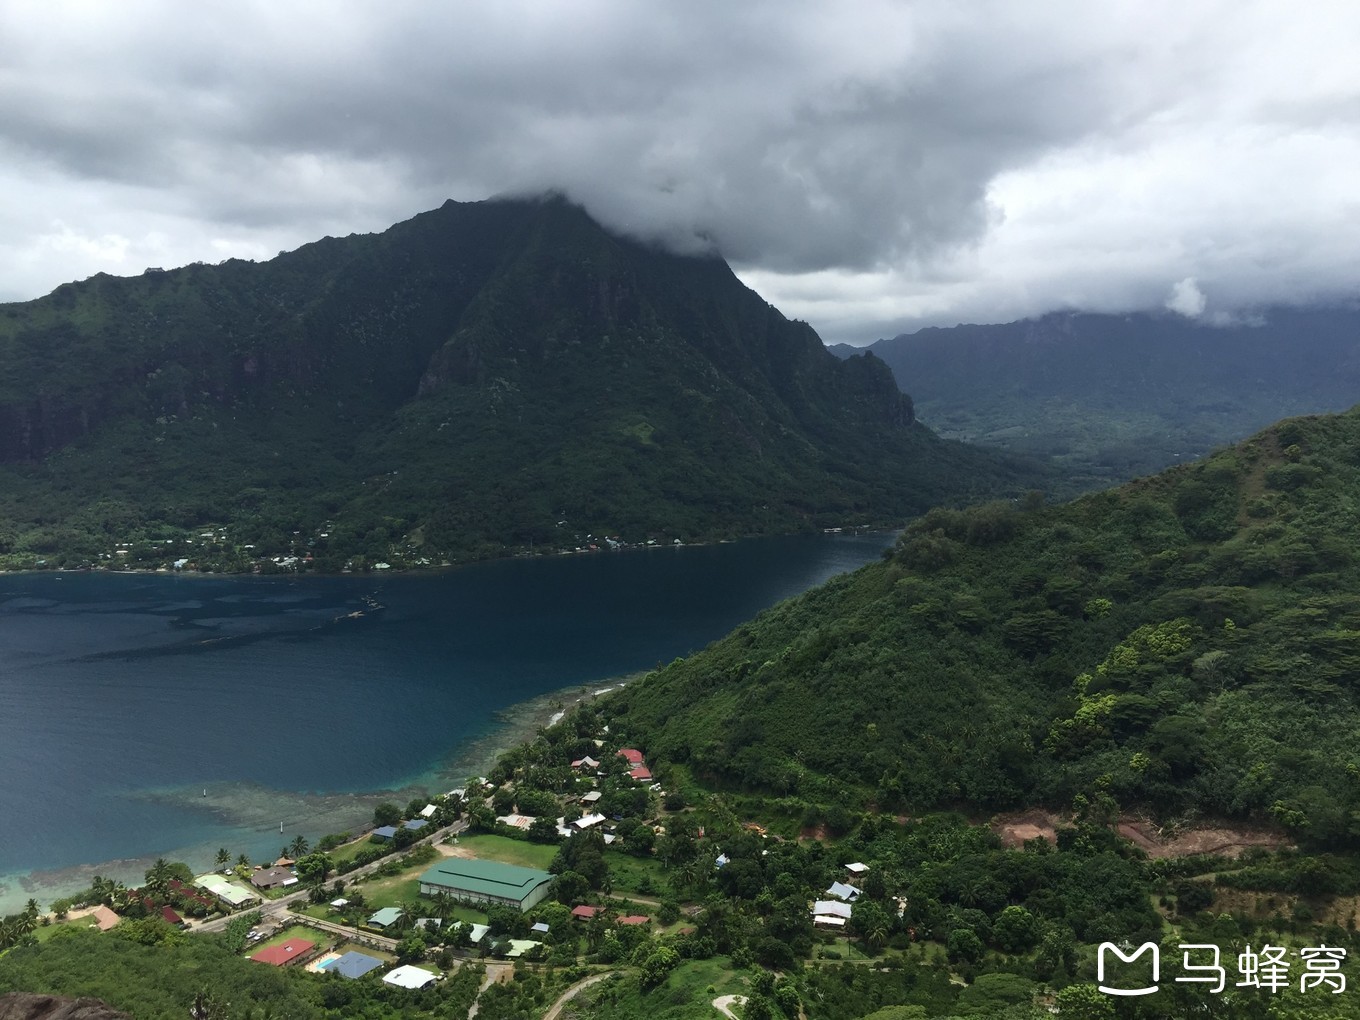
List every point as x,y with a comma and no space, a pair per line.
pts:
870,167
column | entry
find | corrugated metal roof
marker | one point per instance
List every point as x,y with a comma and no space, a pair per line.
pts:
485,878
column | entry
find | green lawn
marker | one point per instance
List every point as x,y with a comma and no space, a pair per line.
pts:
510,851
631,874
293,931
840,949
391,892
346,852
45,931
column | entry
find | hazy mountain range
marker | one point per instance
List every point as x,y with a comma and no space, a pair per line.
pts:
1114,396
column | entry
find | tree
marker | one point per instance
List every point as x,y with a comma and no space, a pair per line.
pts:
408,915
223,857
871,922
658,964
313,869
299,847
962,945
386,813
243,861
411,949
158,875
1015,929
1084,1002
543,830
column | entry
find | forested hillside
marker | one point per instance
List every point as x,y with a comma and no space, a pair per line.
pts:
1189,644
480,379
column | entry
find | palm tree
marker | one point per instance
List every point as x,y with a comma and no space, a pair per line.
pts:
205,1007
223,857
299,847
158,875
243,861
410,912
443,906
101,889
878,932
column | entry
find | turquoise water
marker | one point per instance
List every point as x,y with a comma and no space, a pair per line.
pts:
146,715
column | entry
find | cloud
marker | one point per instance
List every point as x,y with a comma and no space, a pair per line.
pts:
870,166
1187,299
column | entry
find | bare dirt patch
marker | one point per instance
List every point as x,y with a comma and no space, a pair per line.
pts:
1224,840
1017,829
451,850
1228,840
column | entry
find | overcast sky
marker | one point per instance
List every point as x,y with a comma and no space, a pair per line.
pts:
869,167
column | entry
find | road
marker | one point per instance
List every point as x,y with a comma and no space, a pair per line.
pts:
571,992
275,910
724,1003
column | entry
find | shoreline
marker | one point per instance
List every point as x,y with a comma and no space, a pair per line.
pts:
244,805
434,570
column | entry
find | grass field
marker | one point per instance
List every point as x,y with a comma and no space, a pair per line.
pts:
511,851
346,852
640,875
293,931
391,892
45,931
687,994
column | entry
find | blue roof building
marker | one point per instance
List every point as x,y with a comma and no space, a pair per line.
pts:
385,832
417,823
353,965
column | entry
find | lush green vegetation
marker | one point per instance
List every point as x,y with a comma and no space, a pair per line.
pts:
1111,397
481,379
1186,644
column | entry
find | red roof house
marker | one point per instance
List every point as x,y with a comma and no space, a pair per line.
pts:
641,772
169,914
631,755
288,952
584,912
634,919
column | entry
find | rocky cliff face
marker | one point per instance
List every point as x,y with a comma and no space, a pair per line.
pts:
26,1006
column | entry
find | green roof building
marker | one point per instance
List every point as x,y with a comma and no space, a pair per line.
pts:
487,882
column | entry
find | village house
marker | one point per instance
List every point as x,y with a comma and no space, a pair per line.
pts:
287,954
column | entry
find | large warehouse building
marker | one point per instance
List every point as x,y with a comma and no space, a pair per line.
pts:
487,882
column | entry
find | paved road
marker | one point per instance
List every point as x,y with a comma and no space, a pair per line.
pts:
353,934
275,910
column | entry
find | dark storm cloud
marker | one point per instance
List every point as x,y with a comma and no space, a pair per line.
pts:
867,165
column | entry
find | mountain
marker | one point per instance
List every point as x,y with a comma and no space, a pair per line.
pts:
481,378
1188,644
1115,396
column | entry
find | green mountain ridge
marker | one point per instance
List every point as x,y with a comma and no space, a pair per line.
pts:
452,388
1110,397
1188,644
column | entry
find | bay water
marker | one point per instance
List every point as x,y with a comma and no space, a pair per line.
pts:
146,715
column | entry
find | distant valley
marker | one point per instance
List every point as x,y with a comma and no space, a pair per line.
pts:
1111,397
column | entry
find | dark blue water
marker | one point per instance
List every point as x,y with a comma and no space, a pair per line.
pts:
123,698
